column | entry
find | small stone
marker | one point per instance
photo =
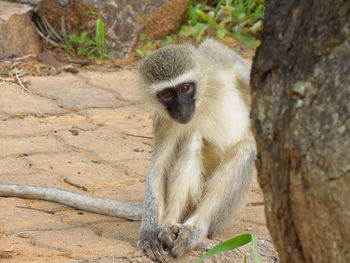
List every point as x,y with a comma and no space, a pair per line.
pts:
138,150
74,132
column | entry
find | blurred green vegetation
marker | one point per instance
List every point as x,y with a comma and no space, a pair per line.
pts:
239,19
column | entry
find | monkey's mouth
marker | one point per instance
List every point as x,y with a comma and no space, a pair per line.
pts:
182,113
184,121
183,118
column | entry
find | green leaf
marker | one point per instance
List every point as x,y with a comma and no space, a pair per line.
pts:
221,32
218,6
148,52
81,51
142,37
230,244
241,17
196,31
73,38
100,39
91,51
256,26
90,42
91,13
82,37
169,39
206,18
259,12
149,44
249,41
140,52
163,42
192,14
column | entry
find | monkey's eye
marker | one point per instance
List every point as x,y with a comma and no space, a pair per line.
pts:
166,94
186,88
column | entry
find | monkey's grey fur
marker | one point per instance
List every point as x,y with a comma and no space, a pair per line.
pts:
203,158
171,61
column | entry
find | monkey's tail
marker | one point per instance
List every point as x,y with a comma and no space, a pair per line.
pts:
132,211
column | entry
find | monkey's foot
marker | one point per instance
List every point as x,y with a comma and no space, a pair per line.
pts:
187,239
150,243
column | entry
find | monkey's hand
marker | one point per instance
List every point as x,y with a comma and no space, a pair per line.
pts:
187,238
150,243
167,235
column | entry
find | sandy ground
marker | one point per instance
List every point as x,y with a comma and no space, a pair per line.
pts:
84,130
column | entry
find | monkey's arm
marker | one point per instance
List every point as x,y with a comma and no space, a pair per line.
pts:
184,187
154,200
153,209
185,180
225,192
132,211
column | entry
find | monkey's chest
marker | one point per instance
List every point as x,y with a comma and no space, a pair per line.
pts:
210,158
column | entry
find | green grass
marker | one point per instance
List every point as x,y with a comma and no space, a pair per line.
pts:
233,243
239,19
84,45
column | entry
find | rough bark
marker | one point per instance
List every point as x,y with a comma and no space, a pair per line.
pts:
301,115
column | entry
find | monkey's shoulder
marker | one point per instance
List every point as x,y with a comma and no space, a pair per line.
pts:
216,54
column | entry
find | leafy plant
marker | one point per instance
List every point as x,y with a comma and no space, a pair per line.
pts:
233,243
239,19
83,45
100,40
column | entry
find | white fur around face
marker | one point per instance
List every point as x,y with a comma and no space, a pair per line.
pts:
187,77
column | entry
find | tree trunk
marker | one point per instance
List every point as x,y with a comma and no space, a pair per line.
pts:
301,115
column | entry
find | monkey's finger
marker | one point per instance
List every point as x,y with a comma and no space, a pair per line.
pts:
181,244
147,248
158,252
169,241
179,249
159,256
175,229
167,237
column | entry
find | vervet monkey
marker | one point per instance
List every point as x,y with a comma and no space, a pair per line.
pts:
203,154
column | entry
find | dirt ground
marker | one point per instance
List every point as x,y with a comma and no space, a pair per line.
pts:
88,133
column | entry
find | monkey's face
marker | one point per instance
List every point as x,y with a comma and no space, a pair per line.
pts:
179,101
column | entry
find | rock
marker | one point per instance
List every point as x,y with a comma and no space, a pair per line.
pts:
74,13
128,19
163,20
125,20
17,32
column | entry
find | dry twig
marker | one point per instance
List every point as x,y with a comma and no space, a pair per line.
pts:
19,82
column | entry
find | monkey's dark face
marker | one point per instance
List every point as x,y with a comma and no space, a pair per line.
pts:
179,101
